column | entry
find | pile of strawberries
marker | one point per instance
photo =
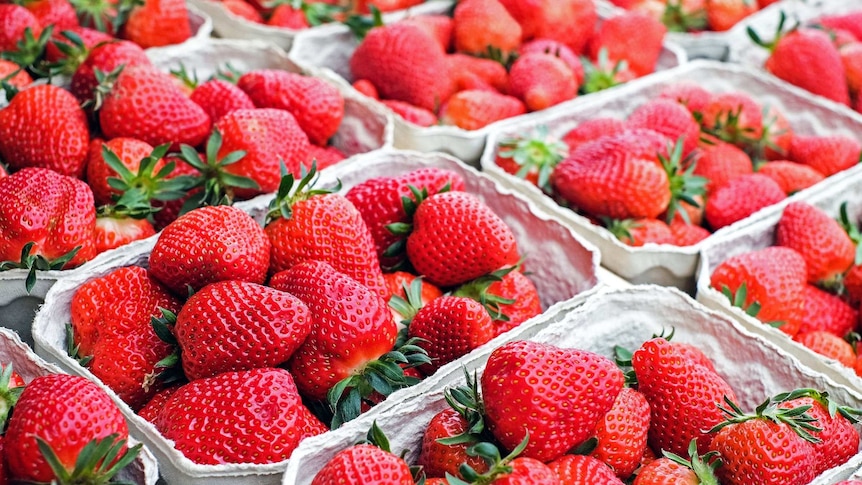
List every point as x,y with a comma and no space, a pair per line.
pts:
664,416
303,14
235,328
809,284
680,166
824,58
696,15
59,429
495,59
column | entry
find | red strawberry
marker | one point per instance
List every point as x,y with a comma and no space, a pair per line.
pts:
111,323
365,465
53,211
777,134
158,23
722,15
89,38
687,234
848,21
170,210
774,279
851,58
514,286
622,433
826,154
367,88
828,345
251,416
583,470
839,439
541,81
114,231
130,152
591,130
287,16
14,20
637,232
516,384
105,55
66,412
218,98
438,459
44,127
568,21
207,245
790,176
721,163
397,282
825,311
153,406
385,58
492,73
533,157
324,156
633,37
457,238
673,469
236,325
305,223
59,13
827,249
740,198
682,395
482,26
694,97
20,79
556,49
733,117
243,9
438,26
474,109
411,114
668,118
317,105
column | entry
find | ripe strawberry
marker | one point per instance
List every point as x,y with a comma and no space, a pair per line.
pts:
591,130
243,9
380,202
721,163
474,109
583,470
734,117
14,20
104,55
397,282
722,15
847,21
158,23
305,223
169,117
53,211
514,286
853,284
323,156
73,52
44,127
207,245
130,152
489,72
365,465
826,154
111,323
774,280
541,81
157,402
66,412
622,433
438,26
456,238
827,249
253,416
59,13
668,118
633,37
740,198
829,345
218,98
687,234
533,157
568,21
411,114
673,469
692,96
367,88
790,176
385,59
483,26
851,58
637,232
438,459
113,231
14,74
517,382
777,135
556,49
826,312
317,105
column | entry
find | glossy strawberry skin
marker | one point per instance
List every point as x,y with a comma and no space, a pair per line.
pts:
236,325
53,210
517,382
365,465
44,127
726,107
826,154
14,19
828,345
210,244
483,24
113,232
105,55
542,80
438,459
528,471
622,433
826,247
516,286
218,98
351,326
474,109
668,118
251,416
583,470
825,311
665,374
633,37
790,176
130,152
20,80
823,73
457,238
740,198
158,23
665,471
591,130
152,408
111,320
65,411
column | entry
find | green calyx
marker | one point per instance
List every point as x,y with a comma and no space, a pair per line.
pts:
727,127
703,466
403,229
497,465
505,59
676,19
216,184
739,299
623,359
478,290
383,376
360,25
822,397
685,186
74,350
30,50
37,262
105,82
797,418
290,192
98,462
8,395
169,370
779,33
621,228
466,400
104,15
410,306
74,52
852,230
601,75
188,78
228,73
540,153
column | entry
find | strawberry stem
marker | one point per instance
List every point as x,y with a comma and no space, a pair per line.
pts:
37,262
97,462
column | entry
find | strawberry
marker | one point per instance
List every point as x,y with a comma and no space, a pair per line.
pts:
106,56
687,234
305,223
438,459
622,433
501,286
474,109
207,245
411,114
826,154
218,98
399,283
45,216
384,58
848,21
243,9
381,204
128,150
774,282
62,47
721,163
556,49
44,127
483,26
324,156
367,88
317,105
113,231
156,403
851,58
692,96
59,13
592,129
236,325
668,118
14,75
827,249
827,312
65,413
633,37
116,332
568,21
457,238
733,117
518,381
157,23
637,232
11,385
253,416
365,465
673,469
724,14
438,26
541,81
489,72
14,20
828,345
583,470
777,135
532,157
740,198
790,176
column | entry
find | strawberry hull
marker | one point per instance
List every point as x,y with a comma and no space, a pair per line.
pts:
752,365
667,264
334,50
563,267
143,471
